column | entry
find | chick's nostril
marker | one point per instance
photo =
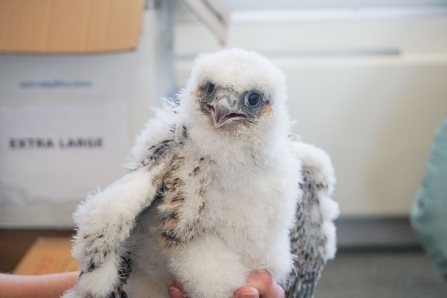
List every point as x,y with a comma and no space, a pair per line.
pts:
210,108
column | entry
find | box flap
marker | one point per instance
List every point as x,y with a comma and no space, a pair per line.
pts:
66,26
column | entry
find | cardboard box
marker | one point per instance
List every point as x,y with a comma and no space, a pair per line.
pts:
66,26
67,121
46,256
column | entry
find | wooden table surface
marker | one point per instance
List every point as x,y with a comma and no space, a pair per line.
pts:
15,242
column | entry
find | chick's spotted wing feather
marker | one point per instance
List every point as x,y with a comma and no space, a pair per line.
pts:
313,235
105,220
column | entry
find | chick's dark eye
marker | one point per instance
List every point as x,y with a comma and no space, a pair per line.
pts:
252,98
210,88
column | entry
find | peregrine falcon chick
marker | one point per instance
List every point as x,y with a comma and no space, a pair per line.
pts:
217,189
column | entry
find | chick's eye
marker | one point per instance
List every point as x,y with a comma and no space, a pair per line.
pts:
252,98
210,88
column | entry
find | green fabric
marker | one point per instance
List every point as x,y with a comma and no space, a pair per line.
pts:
429,213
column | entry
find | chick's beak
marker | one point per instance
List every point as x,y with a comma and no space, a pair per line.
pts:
222,112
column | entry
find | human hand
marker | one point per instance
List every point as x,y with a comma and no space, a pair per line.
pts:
259,284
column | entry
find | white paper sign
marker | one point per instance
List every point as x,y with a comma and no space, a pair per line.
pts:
58,153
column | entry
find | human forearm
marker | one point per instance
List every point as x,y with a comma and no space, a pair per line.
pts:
38,286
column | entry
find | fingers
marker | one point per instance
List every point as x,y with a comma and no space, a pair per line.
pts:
260,284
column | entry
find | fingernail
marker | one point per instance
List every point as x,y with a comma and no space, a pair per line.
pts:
174,289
